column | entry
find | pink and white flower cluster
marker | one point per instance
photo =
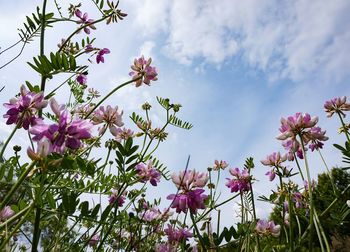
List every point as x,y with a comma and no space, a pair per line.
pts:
264,227
336,105
143,71
190,196
275,161
148,173
110,117
304,126
241,182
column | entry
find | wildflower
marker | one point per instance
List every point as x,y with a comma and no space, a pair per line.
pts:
84,20
274,160
302,125
187,180
23,109
299,200
150,214
66,133
193,200
177,235
109,116
143,71
336,105
100,55
220,165
271,175
82,79
115,198
44,148
264,227
6,213
89,48
94,240
122,134
241,182
148,173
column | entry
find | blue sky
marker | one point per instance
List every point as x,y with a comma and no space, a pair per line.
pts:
235,66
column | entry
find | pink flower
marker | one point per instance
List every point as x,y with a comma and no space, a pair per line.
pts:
274,160
264,227
115,198
44,148
143,71
84,20
94,240
220,165
151,214
193,200
109,117
100,55
241,182
122,134
24,108
271,175
148,173
66,133
177,235
82,79
336,105
6,213
186,180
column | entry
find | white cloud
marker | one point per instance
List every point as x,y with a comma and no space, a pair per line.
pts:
296,40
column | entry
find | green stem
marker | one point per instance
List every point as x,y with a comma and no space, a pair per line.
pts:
42,44
7,142
254,213
198,233
296,161
15,186
344,126
109,94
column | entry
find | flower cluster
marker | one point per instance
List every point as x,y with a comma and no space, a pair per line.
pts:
122,134
147,173
100,55
84,20
23,109
241,182
117,199
302,126
336,105
177,234
220,165
110,117
66,133
6,213
82,79
191,195
264,227
275,160
143,71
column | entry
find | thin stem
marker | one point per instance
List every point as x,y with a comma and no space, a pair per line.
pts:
344,126
7,142
328,172
197,231
109,94
254,213
300,171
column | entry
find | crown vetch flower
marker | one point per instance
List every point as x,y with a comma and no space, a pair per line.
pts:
82,79
66,133
143,70
193,200
122,134
148,173
109,116
100,55
84,19
6,213
274,160
336,105
186,180
220,165
23,109
264,227
44,148
177,234
241,182
115,198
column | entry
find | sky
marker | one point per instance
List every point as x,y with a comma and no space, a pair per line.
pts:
236,67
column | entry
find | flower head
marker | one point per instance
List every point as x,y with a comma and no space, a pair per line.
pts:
115,198
177,234
274,160
193,200
336,105
220,165
66,133
143,71
148,173
109,117
100,55
186,180
6,213
84,20
82,79
122,134
241,182
264,227
23,109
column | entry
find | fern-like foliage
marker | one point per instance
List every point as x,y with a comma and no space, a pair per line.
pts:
173,120
33,24
164,102
137,119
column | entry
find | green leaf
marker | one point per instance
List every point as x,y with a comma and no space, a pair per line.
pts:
65,62
50,200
